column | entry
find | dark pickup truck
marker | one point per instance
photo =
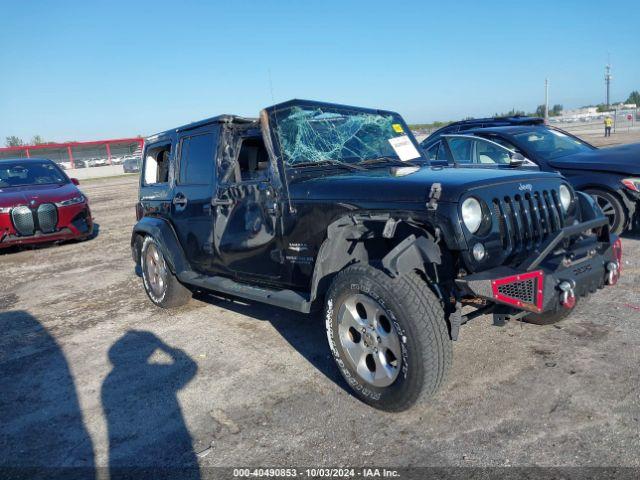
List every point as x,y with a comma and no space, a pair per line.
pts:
322,205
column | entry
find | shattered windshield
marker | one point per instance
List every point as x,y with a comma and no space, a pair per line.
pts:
313,135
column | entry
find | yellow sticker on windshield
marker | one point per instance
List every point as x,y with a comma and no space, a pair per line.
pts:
397,128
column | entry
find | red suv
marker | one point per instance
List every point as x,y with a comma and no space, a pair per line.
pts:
39,203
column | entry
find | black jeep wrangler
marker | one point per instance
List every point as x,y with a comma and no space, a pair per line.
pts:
316,204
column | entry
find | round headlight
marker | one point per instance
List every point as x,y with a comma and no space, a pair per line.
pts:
472,214
565,197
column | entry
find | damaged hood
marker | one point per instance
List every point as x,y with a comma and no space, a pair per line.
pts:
406,184
623,159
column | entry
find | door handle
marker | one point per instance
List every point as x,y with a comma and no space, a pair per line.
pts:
180,199
221,201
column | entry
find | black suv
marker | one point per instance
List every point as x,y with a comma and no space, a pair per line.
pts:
316,204
610,175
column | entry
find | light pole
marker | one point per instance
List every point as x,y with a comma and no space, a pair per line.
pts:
607,81
546,100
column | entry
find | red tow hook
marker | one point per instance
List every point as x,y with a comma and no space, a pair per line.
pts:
568,296
617,251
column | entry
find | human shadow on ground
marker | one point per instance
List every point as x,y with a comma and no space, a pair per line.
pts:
148,437
42,433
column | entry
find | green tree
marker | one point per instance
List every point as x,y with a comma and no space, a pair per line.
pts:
634,97
556,110
37,140
13,141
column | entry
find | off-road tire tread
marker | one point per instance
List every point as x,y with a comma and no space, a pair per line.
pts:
426,311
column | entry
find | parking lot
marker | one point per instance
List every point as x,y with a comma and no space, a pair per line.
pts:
94,375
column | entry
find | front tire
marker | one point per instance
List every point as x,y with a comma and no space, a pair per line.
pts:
612,207
388,336
161,285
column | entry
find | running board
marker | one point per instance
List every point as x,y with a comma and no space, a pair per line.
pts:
289,299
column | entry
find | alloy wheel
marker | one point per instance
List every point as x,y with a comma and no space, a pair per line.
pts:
369,340
607,208
155,270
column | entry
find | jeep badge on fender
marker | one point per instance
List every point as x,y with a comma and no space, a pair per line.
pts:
321,205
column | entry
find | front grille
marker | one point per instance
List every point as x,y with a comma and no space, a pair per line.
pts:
47,217
527,220
27,221
23,221
525,290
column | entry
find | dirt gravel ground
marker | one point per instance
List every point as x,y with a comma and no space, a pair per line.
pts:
92,374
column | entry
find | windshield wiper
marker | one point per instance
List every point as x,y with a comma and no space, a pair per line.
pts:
328,161
396,161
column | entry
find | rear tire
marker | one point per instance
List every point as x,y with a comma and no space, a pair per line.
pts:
612,207
388,336
161,285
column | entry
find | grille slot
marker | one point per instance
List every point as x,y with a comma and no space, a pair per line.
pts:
23,221
47,217
524,290
526,221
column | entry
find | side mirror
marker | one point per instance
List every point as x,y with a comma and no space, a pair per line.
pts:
517,159
75,181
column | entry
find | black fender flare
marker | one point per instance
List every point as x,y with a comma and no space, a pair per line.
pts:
164,234
412,254
588,208
339,250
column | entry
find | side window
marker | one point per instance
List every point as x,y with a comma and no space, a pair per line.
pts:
156,164
432,152
441,154
487,153
505,144
197,159
437,152
461,149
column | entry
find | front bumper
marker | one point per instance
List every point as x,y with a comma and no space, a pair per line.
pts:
74,222
554,276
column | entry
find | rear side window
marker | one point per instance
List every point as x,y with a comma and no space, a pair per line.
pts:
156,164
197,159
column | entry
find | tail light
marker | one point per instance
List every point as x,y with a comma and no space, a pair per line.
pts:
524,290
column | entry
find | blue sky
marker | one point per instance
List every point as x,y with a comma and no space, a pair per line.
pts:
91,69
